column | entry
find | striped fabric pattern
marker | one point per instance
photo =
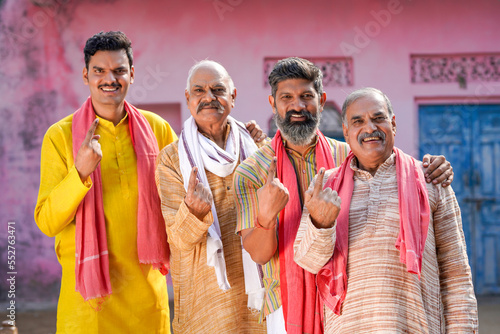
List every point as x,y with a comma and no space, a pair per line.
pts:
250,176
200,306
382,297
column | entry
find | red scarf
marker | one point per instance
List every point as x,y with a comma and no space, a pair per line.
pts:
301,303
92,263
414,221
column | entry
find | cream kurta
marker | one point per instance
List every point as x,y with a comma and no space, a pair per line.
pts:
139,302
382,297
200,305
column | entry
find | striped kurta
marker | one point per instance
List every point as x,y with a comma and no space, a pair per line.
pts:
200,306
250,176
382,297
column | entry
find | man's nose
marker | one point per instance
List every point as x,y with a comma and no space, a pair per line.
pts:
209,96
298,104
371,126
109,77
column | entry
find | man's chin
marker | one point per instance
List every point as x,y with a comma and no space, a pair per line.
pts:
302,141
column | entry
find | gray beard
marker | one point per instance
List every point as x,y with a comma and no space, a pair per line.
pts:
299,134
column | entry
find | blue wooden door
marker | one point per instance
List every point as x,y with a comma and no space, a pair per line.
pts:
469,137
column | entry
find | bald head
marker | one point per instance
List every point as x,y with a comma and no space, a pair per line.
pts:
209,65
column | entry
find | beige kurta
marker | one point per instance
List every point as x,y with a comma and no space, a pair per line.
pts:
200,305
382,297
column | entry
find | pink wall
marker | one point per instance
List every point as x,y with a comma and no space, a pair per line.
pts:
41,63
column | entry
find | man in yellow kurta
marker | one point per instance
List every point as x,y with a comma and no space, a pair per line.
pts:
135,296
194,178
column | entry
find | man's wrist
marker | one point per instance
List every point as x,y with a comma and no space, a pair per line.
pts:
265,224
321,225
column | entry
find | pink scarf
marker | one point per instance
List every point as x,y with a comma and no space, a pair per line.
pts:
92,262
301,303
414,220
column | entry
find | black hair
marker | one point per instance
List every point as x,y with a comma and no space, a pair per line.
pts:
107,41
295,68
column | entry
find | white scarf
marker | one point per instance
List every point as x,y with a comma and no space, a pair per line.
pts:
197,150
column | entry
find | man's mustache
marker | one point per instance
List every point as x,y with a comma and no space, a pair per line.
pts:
212,104
303,113
375,133
108,85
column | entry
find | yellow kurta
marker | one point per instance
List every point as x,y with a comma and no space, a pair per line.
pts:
139,302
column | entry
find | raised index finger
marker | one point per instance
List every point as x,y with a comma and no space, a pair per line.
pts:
90,133
193,181
272,171
318,186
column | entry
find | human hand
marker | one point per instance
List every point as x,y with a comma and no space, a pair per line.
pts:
198,197
255,131
439,170
323,204
273,197
89,154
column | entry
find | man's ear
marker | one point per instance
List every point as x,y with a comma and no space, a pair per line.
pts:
186,94
233,95
273,105
322,101
344,130
85,76
132,74
393,122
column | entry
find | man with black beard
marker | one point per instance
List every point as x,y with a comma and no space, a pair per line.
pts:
271,187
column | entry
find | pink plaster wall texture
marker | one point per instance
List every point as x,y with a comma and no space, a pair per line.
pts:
41,62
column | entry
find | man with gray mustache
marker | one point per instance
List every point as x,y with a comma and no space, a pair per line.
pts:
388,250
211,276
270,189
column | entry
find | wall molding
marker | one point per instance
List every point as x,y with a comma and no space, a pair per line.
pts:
337,71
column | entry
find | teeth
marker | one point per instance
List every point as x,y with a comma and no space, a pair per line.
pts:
109,89
371,138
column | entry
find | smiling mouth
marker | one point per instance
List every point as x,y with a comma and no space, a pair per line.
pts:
109,89
368,139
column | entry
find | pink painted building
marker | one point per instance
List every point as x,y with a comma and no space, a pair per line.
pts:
438,61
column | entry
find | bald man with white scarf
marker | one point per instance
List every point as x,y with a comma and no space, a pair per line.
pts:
216,284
